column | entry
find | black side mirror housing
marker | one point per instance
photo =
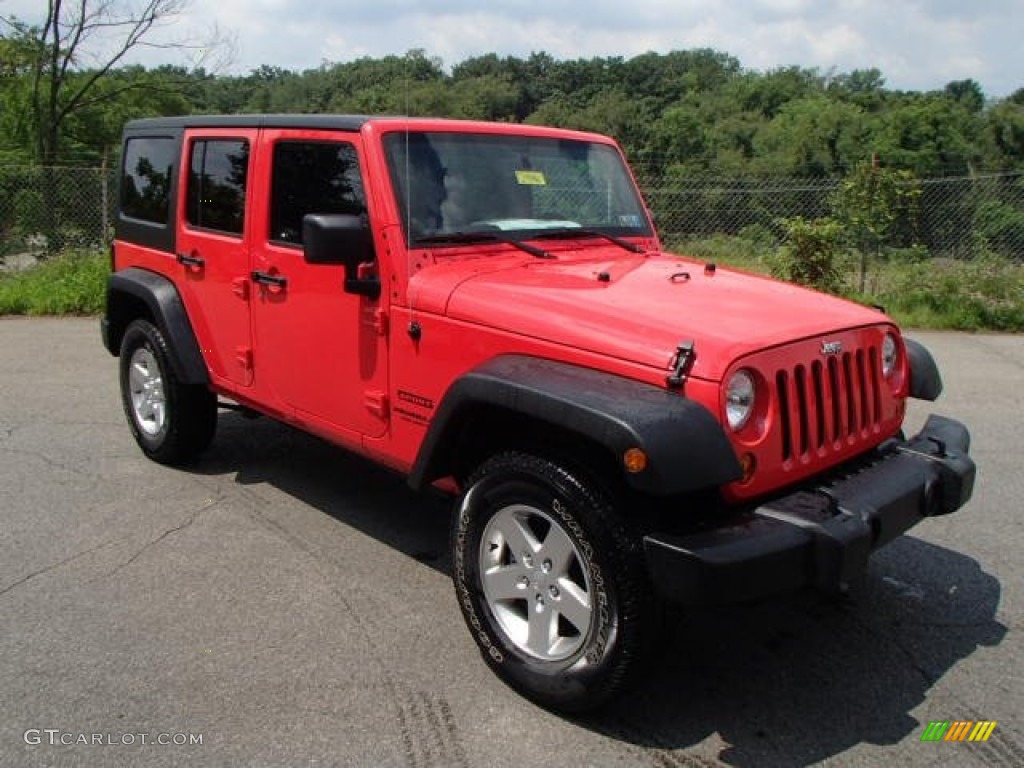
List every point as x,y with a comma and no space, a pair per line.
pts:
338,238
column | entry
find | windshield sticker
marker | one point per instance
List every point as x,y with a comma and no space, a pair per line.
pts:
531,178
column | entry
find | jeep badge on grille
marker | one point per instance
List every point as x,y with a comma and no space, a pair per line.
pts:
831,347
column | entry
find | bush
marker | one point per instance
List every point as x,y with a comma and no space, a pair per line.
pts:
1001,227
722,249
73,283
986,293
811,254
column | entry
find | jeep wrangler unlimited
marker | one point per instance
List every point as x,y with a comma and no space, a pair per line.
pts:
486,307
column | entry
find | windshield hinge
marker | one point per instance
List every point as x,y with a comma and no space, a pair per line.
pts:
685,357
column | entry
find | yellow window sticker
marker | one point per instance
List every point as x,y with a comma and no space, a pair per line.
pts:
531,178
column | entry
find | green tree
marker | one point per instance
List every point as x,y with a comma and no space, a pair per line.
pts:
57,89
812,136
17,55
929,134
491,97
768,93
1003,137
967,93
873,205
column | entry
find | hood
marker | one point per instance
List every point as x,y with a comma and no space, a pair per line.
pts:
636,308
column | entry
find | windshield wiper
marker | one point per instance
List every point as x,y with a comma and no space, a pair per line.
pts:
568,233
459,238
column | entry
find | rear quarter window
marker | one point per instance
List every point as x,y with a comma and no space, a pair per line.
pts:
146,178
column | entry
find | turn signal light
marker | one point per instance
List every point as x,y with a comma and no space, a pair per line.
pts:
748,464
635,460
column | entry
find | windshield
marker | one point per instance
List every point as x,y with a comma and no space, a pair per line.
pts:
457,183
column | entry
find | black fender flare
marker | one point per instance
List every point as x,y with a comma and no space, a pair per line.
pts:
686,447
125,289
925,380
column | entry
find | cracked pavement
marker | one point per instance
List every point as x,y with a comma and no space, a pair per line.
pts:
292,604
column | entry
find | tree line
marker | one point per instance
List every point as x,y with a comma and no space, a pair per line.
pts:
678,115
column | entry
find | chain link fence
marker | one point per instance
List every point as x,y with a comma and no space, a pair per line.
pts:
47,210
957,218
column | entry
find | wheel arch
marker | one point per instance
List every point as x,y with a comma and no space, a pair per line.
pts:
483,429
585,417
138,293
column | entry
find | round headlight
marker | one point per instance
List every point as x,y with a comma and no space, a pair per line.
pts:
890,352
739,399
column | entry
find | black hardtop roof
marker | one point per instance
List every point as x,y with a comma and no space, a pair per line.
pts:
325,122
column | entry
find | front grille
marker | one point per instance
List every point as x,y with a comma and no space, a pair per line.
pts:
826,404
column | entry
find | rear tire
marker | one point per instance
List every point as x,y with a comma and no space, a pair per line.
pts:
551,584
172,422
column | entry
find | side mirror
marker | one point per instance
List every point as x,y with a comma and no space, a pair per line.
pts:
336,238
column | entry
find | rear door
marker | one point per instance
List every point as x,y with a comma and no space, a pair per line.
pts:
213,244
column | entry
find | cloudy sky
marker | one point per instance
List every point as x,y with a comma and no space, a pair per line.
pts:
917,44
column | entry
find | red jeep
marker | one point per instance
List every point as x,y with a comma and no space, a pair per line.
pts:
486,307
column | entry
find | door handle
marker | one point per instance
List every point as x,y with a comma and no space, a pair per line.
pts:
277,281
190,261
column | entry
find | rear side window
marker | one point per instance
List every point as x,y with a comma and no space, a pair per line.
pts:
218,170
312,177
146,178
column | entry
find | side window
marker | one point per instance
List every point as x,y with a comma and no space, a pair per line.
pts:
216,184
312,177
146,178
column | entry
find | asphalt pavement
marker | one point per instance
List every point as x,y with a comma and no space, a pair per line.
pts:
286,603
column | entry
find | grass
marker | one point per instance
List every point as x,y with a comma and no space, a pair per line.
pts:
73,283
983,294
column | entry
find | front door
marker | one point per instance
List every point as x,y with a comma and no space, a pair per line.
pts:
320,351
214,232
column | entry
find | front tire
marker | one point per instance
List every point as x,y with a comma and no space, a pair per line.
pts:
551,584
171,421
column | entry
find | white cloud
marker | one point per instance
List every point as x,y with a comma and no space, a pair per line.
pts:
918,44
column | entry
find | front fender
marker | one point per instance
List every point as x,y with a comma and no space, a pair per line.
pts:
686,447
925,381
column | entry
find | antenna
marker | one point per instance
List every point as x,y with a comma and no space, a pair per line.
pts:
410,290
408,164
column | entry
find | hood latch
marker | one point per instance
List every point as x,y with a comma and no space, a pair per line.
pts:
685,357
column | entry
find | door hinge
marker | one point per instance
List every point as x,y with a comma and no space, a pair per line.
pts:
380,322
240,286
244,357
376,403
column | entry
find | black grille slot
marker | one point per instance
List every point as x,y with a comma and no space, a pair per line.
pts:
819,403
800,374
862,383
782,385
834,399
850,395
874,367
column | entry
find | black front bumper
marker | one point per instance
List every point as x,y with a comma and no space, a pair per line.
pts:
821,535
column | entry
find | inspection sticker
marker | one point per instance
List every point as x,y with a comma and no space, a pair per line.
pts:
531,178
